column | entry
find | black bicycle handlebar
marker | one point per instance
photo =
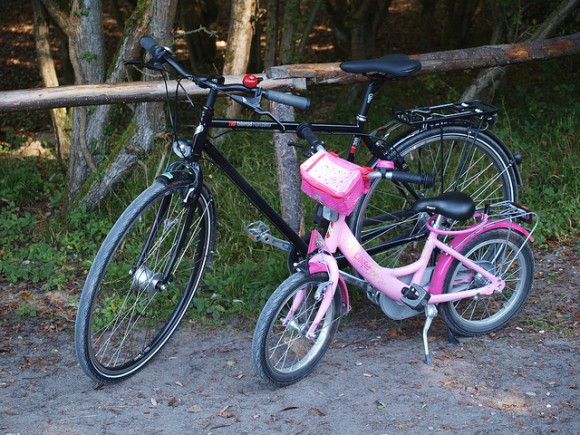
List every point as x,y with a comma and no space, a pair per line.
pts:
304,131
163,55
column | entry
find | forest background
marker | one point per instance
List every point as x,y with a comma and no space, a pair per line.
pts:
49,228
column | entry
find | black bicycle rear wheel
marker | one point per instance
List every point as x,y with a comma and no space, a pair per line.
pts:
127,312
477,165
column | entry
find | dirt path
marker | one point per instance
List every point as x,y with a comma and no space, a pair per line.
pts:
203,382
522,380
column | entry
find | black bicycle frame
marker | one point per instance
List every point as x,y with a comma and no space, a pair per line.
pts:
355,130
207,121
256,199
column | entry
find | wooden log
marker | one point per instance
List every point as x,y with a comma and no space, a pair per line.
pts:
288,77
499,55
113,93
467,58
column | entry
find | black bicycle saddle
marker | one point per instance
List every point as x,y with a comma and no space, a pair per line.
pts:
398,65
454,205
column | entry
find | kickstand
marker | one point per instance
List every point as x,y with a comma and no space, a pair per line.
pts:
451,337
430,314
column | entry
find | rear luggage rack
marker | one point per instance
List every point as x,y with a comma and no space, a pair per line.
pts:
475,113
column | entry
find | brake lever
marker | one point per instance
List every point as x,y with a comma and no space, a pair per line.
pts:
253,103
155,66
306,151
272,117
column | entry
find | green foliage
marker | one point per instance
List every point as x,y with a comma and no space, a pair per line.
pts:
82,12
87,56
42,243
13,138
540,121
241,287
25,310
551,176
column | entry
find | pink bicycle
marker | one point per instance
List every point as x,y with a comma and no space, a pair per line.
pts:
478,280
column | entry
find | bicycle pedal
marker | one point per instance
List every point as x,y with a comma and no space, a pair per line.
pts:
415,297
260,232
257,231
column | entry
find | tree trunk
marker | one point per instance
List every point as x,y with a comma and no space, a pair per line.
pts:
490,79
116,12
271,50
149,119
239,37
86,48
291,11
287,77
239,44
287,170
196,14
460,15
49,78
366,21
427,22
338,15
306,33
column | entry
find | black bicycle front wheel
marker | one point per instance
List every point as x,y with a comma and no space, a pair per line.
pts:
478,165
143,279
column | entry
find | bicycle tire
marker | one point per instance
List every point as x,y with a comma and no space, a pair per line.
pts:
383,221
123,318
282,355
506,255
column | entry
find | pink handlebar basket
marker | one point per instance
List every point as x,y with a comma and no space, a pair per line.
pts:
334,182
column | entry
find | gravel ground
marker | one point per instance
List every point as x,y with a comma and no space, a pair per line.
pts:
523,379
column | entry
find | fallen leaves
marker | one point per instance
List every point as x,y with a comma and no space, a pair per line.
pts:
318,412
225,413
195,409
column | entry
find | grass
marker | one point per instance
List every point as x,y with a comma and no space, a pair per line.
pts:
49,245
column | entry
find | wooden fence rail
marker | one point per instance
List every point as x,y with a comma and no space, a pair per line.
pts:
287,77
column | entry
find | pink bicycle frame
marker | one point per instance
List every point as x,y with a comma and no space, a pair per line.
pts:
386,280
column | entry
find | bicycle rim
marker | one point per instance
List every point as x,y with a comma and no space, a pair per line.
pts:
125,317
503,255
383,221
286,354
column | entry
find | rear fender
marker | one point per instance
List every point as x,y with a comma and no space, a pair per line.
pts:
444,262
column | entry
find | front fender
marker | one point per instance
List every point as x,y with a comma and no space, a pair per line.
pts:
318,264
444,262
169,177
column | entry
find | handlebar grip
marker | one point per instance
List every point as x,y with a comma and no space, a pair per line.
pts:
157,52
161,54
148,43
304,131
301,103
427,180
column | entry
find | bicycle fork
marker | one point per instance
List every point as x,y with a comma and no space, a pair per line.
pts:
323,262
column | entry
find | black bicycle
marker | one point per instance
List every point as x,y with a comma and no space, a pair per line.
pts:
148,269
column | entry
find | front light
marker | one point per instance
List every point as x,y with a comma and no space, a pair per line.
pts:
182,148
